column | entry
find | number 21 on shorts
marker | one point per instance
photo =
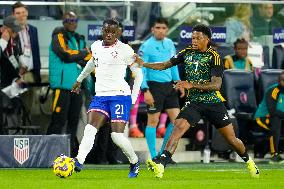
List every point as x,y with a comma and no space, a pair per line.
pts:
119,110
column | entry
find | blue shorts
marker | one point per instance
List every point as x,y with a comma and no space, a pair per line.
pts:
117,108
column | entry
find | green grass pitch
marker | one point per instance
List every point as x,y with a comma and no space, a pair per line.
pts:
185,176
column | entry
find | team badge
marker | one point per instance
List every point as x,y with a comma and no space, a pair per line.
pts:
21,149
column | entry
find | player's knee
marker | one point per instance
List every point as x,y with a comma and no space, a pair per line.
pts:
181,124
153,121
116,137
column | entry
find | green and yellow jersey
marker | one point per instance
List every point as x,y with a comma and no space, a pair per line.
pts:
199,67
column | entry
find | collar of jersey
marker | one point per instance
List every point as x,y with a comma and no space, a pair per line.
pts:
157,41
110,45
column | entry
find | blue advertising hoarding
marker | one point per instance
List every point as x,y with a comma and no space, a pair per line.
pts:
94,31
218,34
278,35
129,33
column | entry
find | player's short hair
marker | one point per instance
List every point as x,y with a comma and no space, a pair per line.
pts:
161,20
18,4
242,40
204,29
111,22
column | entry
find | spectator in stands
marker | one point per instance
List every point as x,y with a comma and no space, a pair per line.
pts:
270,114
29,43
159,93
240,59
263,23
10,52
238,26
30,61
67,55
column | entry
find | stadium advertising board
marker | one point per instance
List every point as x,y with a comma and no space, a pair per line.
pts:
95,31
218,34
278,35
32,150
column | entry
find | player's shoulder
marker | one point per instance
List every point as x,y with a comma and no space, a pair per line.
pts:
149,42
168,40
186,49
96,44
215,56
213,52
124,47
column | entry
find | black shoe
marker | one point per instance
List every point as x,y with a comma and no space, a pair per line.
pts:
156,159
171,161
276,159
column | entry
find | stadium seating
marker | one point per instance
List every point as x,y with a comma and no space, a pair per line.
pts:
266,57
267,77
238,89
225,50
278,57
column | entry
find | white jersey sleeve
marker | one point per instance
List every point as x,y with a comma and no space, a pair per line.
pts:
138,75
129,55
90,66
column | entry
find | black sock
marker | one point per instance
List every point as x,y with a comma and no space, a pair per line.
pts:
244,156
165,158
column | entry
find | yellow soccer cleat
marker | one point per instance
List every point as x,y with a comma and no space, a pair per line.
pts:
157,168
253,170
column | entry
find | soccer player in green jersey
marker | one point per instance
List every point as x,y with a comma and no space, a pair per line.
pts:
203,70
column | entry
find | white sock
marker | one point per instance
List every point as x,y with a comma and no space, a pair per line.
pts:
86,143
121,141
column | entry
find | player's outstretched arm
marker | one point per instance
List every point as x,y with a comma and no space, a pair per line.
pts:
154,66
76,87
213,85
90,67
138,78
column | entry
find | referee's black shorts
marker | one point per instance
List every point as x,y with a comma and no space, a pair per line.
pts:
215,113
165,96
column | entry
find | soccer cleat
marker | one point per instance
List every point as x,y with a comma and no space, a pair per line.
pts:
276,159
78,166
161,132
253,170
157,168
134,170
135,132
172,162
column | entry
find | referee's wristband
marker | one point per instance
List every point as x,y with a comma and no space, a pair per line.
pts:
144,90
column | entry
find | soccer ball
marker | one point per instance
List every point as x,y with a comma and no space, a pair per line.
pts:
63,166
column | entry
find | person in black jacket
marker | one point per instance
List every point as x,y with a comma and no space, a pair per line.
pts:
9,54
30,64
28,37
10,51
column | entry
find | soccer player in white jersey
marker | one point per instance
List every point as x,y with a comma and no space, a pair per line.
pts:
113,99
